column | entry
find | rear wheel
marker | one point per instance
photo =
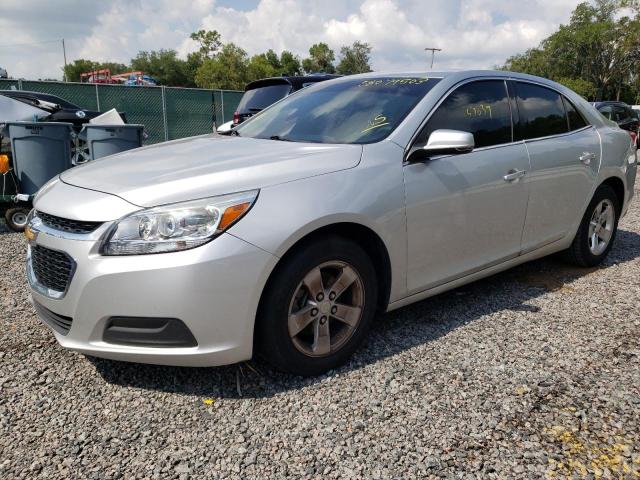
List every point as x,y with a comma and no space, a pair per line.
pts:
17,218
597,231
317,307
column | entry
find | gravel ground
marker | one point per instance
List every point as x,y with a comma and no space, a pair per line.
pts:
531,373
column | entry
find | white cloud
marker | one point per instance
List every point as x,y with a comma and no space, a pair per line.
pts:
472,33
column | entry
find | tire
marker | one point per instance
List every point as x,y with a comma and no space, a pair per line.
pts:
288,297
582,251
16,218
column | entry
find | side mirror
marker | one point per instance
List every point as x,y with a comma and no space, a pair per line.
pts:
444,142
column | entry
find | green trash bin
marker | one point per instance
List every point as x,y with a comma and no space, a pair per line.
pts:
103,140
40,150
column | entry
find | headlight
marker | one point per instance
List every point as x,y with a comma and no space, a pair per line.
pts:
179,226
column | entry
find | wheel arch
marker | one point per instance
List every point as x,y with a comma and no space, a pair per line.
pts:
618,187
364,236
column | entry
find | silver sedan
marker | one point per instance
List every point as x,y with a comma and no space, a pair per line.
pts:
360,195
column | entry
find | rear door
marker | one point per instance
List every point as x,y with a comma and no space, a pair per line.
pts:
564,151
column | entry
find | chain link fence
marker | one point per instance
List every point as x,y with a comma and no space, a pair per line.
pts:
166,112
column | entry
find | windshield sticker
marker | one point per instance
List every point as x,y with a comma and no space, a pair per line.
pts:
378,121
393,81
479,111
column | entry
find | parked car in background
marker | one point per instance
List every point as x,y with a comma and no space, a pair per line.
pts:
626,117
3,73
60,109
362,194
260,94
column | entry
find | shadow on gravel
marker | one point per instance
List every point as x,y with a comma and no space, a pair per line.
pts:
392,333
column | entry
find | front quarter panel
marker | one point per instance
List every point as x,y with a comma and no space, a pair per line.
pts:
370,194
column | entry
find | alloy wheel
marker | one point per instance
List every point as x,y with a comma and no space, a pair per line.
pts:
326,308
601,227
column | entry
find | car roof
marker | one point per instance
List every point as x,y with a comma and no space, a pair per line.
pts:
610,102
297,82
38,96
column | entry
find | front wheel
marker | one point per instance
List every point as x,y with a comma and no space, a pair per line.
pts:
597,230
317,307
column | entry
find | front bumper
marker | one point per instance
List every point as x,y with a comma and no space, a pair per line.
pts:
213,289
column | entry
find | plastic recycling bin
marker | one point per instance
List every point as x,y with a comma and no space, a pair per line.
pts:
104,140
41,150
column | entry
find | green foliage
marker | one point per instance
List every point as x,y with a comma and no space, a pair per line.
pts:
260,67
227,70
227,66
582,87
597,52
210,43
290,64
320,59
354,59
164,66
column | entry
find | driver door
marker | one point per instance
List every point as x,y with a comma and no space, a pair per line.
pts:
466,212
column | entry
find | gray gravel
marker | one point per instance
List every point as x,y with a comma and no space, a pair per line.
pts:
531,373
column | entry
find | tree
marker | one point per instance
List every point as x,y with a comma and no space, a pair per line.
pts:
164,66
73,70
600,46
354,59
321,59
227,70
210,43
582,87
261,67
290,64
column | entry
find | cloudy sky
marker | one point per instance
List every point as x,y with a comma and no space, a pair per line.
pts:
472,33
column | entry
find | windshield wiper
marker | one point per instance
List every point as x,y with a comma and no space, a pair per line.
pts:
279,138
256,109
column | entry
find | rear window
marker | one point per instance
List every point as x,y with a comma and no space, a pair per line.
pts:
541,111
260,98
576,122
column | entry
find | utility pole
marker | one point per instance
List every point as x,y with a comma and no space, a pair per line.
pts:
433,53
64,52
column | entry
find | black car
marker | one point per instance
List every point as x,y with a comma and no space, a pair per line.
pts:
260,94
61,110
623,115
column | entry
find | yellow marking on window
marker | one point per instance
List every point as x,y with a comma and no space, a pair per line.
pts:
378,121
480,110
393,81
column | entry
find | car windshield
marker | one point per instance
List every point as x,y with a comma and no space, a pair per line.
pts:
259,98
345,111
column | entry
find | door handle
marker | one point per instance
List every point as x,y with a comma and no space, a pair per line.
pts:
513,175
586,157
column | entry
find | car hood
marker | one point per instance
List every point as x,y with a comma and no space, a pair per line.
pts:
206,166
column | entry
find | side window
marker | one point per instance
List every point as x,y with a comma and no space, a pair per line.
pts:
607,112
619,114
576,121
541,111
481,108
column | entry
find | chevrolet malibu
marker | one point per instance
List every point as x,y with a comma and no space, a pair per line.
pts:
359,195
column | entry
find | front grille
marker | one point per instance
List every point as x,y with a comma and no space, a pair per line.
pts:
59,323
51,268
67,225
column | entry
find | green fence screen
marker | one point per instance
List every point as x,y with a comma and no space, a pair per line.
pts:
166,112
